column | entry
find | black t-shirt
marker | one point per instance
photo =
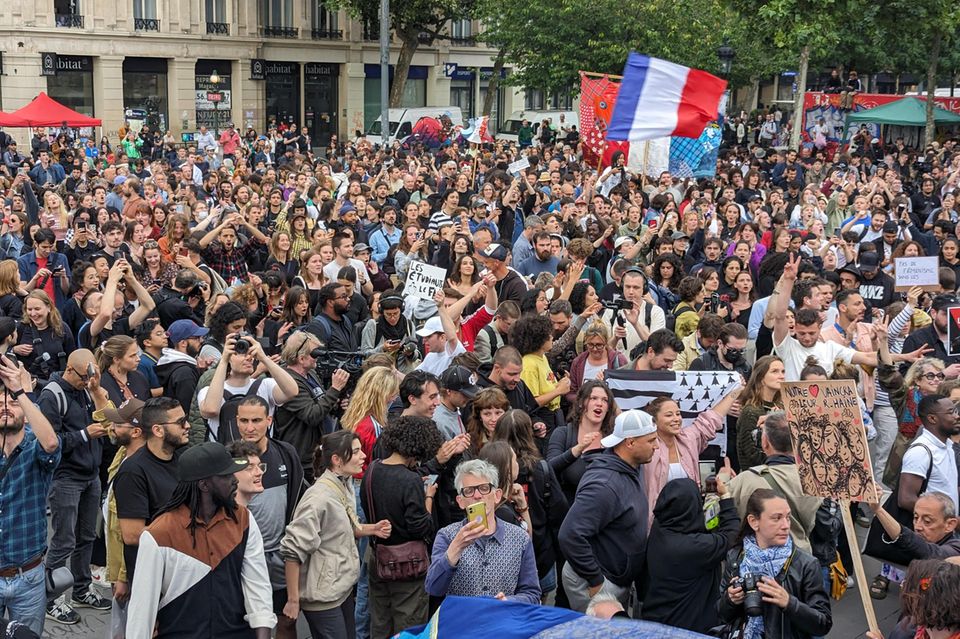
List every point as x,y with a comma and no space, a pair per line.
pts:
50,351
119,327
137,384
143,484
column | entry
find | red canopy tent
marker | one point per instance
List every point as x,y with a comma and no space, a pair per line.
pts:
45,111
9,120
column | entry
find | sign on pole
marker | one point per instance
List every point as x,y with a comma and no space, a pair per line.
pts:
423,280
829,440
917,271
830,445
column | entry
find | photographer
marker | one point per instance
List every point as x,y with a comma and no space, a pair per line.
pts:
182,300
633,325
234,379
392,333
770,587
45,269
304,418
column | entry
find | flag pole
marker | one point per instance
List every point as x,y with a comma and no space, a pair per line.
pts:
610,76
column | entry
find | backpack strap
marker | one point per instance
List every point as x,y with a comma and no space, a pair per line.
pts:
59,395
926,479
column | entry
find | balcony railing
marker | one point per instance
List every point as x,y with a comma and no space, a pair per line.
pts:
70,20
281,32
371,32
218,28
326,34
146,24
467,41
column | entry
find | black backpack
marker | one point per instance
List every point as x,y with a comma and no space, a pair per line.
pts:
228,430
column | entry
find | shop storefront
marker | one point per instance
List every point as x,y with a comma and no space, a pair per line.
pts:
463,90
145,93
283,91
320,84
213,100
70,80
414,91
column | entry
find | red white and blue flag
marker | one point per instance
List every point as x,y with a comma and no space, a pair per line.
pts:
659,98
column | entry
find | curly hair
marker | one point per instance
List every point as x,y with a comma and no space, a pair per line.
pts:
227,314
674,280
530,333
930,587
580,406
415,438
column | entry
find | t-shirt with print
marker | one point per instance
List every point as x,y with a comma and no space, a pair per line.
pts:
269,510
943,474
266,391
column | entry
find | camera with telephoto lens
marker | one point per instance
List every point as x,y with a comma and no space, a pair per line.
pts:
242,346
409,351
328,361
617,304
752,599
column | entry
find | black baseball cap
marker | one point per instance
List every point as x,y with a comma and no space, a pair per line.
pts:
890,227
945,301
209,459
869,262
459,378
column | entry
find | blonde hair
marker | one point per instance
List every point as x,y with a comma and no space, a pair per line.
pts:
374,391
916,369
294,347
54,321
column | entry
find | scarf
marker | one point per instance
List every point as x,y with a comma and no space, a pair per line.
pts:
762,562
910,417
388,333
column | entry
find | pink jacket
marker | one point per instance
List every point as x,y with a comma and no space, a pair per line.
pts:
691,441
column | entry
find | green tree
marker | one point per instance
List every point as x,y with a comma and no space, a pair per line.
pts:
414,22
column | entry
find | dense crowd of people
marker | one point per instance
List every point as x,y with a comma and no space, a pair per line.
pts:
218,394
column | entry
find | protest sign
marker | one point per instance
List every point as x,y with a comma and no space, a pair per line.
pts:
953,330
830,444
829,440
917,271
519,165
423,280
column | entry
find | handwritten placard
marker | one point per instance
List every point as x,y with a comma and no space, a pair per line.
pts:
423,280
829,440
917,271
519,165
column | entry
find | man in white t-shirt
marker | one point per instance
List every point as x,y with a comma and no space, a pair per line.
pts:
235,376
440,340
931,453
794,351
343,256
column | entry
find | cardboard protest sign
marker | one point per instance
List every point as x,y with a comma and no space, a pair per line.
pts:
917,271
423,280
953,330
829,440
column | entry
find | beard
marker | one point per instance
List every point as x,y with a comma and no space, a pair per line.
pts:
228,502
544,256
172,440
118,439
193,350
10,425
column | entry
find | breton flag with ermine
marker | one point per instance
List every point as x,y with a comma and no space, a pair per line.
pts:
693,391
659,98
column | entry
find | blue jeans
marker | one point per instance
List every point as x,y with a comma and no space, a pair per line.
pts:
74,505
361,612
23,598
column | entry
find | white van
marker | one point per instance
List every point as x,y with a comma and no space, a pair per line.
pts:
402,121
508,132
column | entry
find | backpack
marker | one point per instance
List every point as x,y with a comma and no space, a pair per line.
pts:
58,395
199,428
228,431
389,267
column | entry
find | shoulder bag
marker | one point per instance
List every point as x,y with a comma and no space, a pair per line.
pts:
404,562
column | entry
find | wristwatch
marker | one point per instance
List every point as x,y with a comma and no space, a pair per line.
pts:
16,394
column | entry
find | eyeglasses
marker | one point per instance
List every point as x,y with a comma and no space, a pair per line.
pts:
262,466
180,422
470,491
599,346
83,378
930,377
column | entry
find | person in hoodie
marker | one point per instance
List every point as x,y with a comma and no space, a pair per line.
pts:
177,368
604,534
683,557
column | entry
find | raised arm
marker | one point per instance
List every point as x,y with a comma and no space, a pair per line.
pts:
146,303
780,299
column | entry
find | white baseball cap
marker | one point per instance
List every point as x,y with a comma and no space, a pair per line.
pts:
630,423
431,327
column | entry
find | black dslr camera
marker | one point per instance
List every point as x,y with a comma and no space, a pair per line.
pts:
617,304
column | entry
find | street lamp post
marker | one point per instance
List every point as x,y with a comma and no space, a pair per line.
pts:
726,54
215,81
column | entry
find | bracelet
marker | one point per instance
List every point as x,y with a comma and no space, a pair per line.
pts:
16,394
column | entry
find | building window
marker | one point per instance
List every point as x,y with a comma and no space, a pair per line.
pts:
325,23
216,11
145,9
67,13
561,101
533,100
461,30
276,13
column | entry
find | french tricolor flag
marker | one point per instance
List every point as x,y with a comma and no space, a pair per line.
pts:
659,98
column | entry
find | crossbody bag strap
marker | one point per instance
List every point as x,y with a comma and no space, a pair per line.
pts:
6,467
369,479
